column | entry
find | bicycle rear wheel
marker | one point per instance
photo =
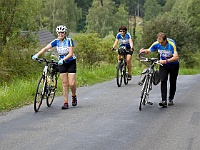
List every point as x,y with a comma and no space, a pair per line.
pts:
39,95
119,74
51,90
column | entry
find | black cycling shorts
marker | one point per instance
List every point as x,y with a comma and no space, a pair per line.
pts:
68,67
129,52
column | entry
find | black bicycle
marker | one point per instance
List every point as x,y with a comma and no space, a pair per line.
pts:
151,76
122,67
47,83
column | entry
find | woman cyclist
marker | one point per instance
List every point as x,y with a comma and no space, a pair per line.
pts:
66,63
125,40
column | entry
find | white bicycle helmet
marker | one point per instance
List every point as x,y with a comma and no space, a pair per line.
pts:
61,28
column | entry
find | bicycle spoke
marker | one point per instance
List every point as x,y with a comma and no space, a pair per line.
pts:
51,89
125,75
39,94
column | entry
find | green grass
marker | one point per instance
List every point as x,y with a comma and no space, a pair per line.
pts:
21,91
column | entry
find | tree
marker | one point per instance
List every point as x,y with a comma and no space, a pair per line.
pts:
168,5
84,5
57,12
99,18
194,16
151,9
122,19
179,9
17,15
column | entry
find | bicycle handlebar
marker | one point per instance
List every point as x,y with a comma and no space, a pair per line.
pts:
121,50
153,60
52,61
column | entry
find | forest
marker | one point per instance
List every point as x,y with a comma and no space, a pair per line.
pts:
93,25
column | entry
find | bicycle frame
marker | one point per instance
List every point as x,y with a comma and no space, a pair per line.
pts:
44,74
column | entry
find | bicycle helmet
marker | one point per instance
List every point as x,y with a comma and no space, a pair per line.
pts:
61,28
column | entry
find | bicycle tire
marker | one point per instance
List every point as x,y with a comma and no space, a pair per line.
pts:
119,74
143,92
125,75
39,95
51,91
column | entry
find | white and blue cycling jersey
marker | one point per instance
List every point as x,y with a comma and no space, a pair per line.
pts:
63,48
167,51
124,41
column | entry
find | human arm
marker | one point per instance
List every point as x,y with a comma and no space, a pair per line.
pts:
145,51
42,51
115,44
70,54
174,58
131,44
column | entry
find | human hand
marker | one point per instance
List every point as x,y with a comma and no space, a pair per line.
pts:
142,50
34,57
132,49
163,62
60,62
112,49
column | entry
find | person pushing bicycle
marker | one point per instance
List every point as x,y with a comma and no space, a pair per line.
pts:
169,59
66,63
125,40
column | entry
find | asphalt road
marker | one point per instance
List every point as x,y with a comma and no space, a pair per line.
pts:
107,118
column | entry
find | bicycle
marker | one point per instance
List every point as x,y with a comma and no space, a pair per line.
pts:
122,67
150,76
47,84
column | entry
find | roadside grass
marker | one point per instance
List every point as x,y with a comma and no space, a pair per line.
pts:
21,92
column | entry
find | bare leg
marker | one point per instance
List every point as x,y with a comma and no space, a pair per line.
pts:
129,63
65,85
72,83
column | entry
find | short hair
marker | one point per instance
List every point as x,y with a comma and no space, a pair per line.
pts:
162,35
122,28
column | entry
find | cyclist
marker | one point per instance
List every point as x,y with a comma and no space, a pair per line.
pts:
125,40
169,59
66,63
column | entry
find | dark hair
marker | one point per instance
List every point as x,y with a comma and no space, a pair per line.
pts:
122,28
162,35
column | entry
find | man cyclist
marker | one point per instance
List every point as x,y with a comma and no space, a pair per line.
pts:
125,40
66,63
170,65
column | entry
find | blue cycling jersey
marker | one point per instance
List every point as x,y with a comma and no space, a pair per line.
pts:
167,51
124,41
63,48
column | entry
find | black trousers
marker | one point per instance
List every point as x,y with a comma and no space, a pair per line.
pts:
172,72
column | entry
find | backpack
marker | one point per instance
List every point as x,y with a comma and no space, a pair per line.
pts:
156,77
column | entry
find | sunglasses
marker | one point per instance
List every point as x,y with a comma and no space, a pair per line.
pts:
122,31
61,32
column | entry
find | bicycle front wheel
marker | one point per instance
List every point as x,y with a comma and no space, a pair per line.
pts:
125,75
144,93
39,95
119,74
51,90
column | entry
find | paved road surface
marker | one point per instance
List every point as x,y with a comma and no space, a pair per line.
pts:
108,118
